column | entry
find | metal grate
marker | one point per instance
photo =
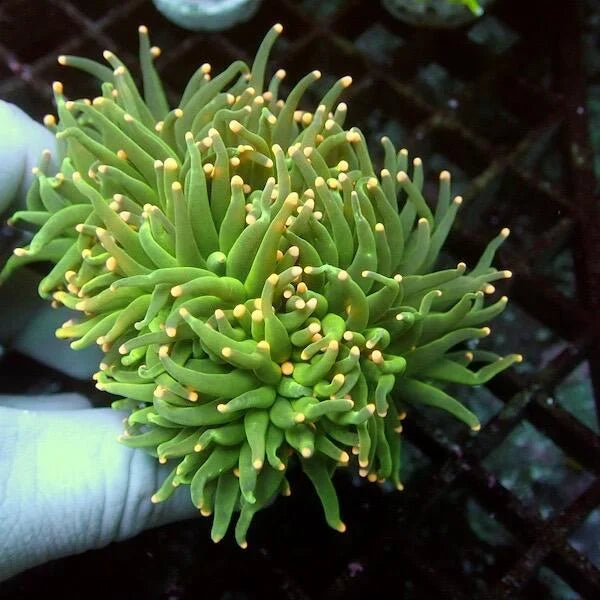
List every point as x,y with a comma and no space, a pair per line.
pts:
504,514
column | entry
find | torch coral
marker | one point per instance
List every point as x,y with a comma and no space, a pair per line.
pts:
263,297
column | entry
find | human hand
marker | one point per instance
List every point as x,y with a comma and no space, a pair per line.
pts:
28,323
23,141
66,485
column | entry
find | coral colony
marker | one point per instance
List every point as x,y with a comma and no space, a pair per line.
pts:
264,298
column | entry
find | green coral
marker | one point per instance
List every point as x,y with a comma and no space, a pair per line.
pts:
437,13
262,296
472,5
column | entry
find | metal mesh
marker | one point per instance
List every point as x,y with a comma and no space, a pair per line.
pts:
506,513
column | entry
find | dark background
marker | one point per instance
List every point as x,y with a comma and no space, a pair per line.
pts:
505,103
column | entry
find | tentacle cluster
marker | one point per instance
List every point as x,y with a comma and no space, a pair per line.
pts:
261,294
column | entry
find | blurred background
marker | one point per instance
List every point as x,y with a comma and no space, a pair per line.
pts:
509,102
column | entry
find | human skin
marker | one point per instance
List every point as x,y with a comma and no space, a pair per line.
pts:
66,486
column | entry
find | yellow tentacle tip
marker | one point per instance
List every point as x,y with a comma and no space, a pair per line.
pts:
170,164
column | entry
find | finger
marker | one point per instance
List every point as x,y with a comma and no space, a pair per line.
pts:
67,401
22,143
38,341
67,486
28,325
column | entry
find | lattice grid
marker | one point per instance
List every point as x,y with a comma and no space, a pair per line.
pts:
501,103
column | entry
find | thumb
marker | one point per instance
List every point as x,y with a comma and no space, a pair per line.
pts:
67,486
22,143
